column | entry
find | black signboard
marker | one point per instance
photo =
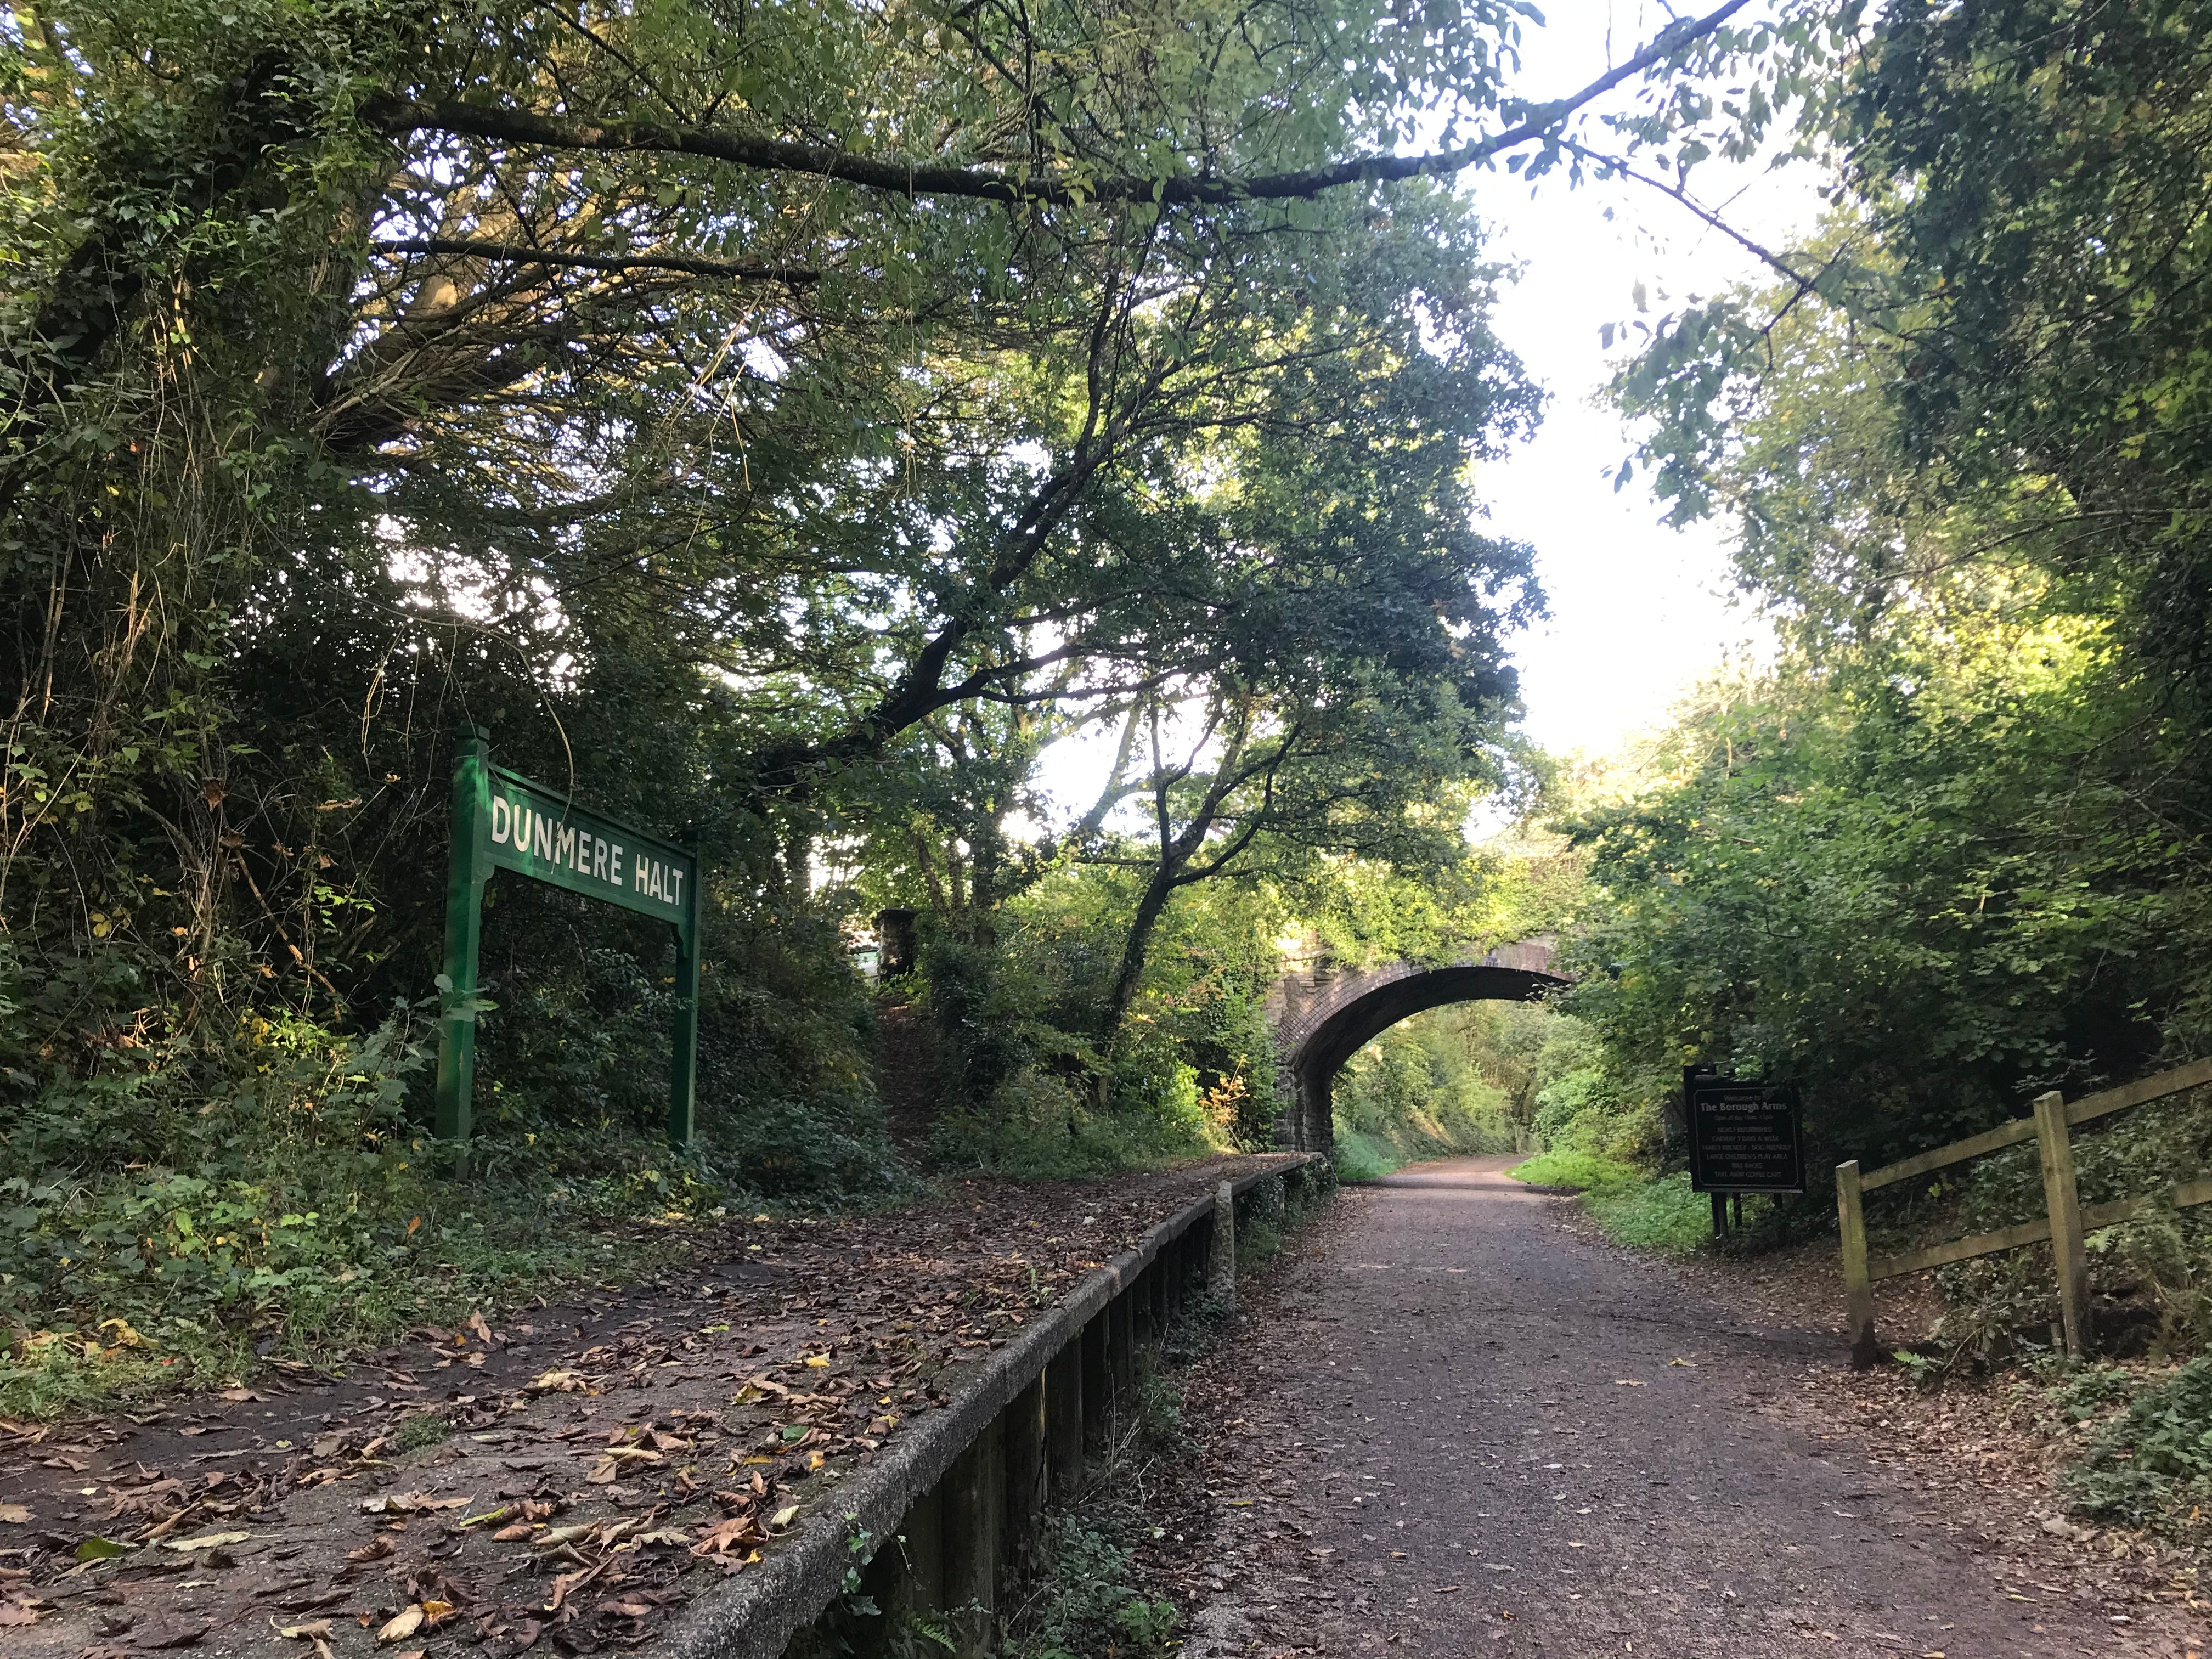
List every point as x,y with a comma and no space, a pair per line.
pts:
1744,1137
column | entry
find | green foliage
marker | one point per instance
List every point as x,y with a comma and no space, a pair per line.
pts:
1935,861
421,1429
1573,1167
2151,1464
1092,1609
755,490
1415,1092
1634,1206
1652,1213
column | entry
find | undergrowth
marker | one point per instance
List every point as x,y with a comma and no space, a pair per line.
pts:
1413,1094
1631,1206
183,1202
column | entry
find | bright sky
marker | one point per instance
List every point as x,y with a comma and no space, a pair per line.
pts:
1638,611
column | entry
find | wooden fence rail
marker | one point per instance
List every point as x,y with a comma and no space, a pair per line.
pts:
2065,1223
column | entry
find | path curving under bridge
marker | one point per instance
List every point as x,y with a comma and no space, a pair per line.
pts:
1323,1014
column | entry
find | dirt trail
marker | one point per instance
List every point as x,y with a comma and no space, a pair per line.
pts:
1456,1424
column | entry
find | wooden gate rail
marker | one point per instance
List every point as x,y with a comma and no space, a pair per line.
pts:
2065,1223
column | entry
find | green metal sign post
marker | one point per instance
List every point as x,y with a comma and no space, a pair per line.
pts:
502,821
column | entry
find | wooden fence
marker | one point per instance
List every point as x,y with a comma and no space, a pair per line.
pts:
2065,1224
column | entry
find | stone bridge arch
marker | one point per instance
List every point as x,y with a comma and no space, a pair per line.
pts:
1322,1014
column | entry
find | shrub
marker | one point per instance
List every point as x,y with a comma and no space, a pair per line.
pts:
2152,1464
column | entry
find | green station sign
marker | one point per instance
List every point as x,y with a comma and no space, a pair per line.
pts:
504,820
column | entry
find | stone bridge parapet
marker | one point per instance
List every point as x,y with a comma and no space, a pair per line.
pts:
1322,1012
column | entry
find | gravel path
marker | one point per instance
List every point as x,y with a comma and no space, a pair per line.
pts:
1460,1425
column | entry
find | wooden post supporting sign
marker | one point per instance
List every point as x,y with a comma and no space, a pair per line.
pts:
503,821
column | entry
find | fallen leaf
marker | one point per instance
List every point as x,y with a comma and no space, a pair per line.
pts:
206,1540
784,1516
724,1536
164,1633
14,1515
402,1626
433,1611
817,1360
239,1396
412,1502
509,1535
303,1632
100,1549
375,1550
18,1612
1627,1383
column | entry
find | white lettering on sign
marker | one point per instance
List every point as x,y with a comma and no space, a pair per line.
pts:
534,834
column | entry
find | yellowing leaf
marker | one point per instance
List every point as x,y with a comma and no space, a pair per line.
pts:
304,1632
817,1360
784,1516
400,1628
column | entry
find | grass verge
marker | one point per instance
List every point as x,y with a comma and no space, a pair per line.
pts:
1363,1155
1630,1206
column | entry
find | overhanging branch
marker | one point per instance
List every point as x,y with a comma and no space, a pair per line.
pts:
913,178
525,253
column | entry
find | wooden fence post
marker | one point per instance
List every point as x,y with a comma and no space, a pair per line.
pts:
1858,1289
2068,1255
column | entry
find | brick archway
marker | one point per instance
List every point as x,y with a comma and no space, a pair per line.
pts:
1322,1014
